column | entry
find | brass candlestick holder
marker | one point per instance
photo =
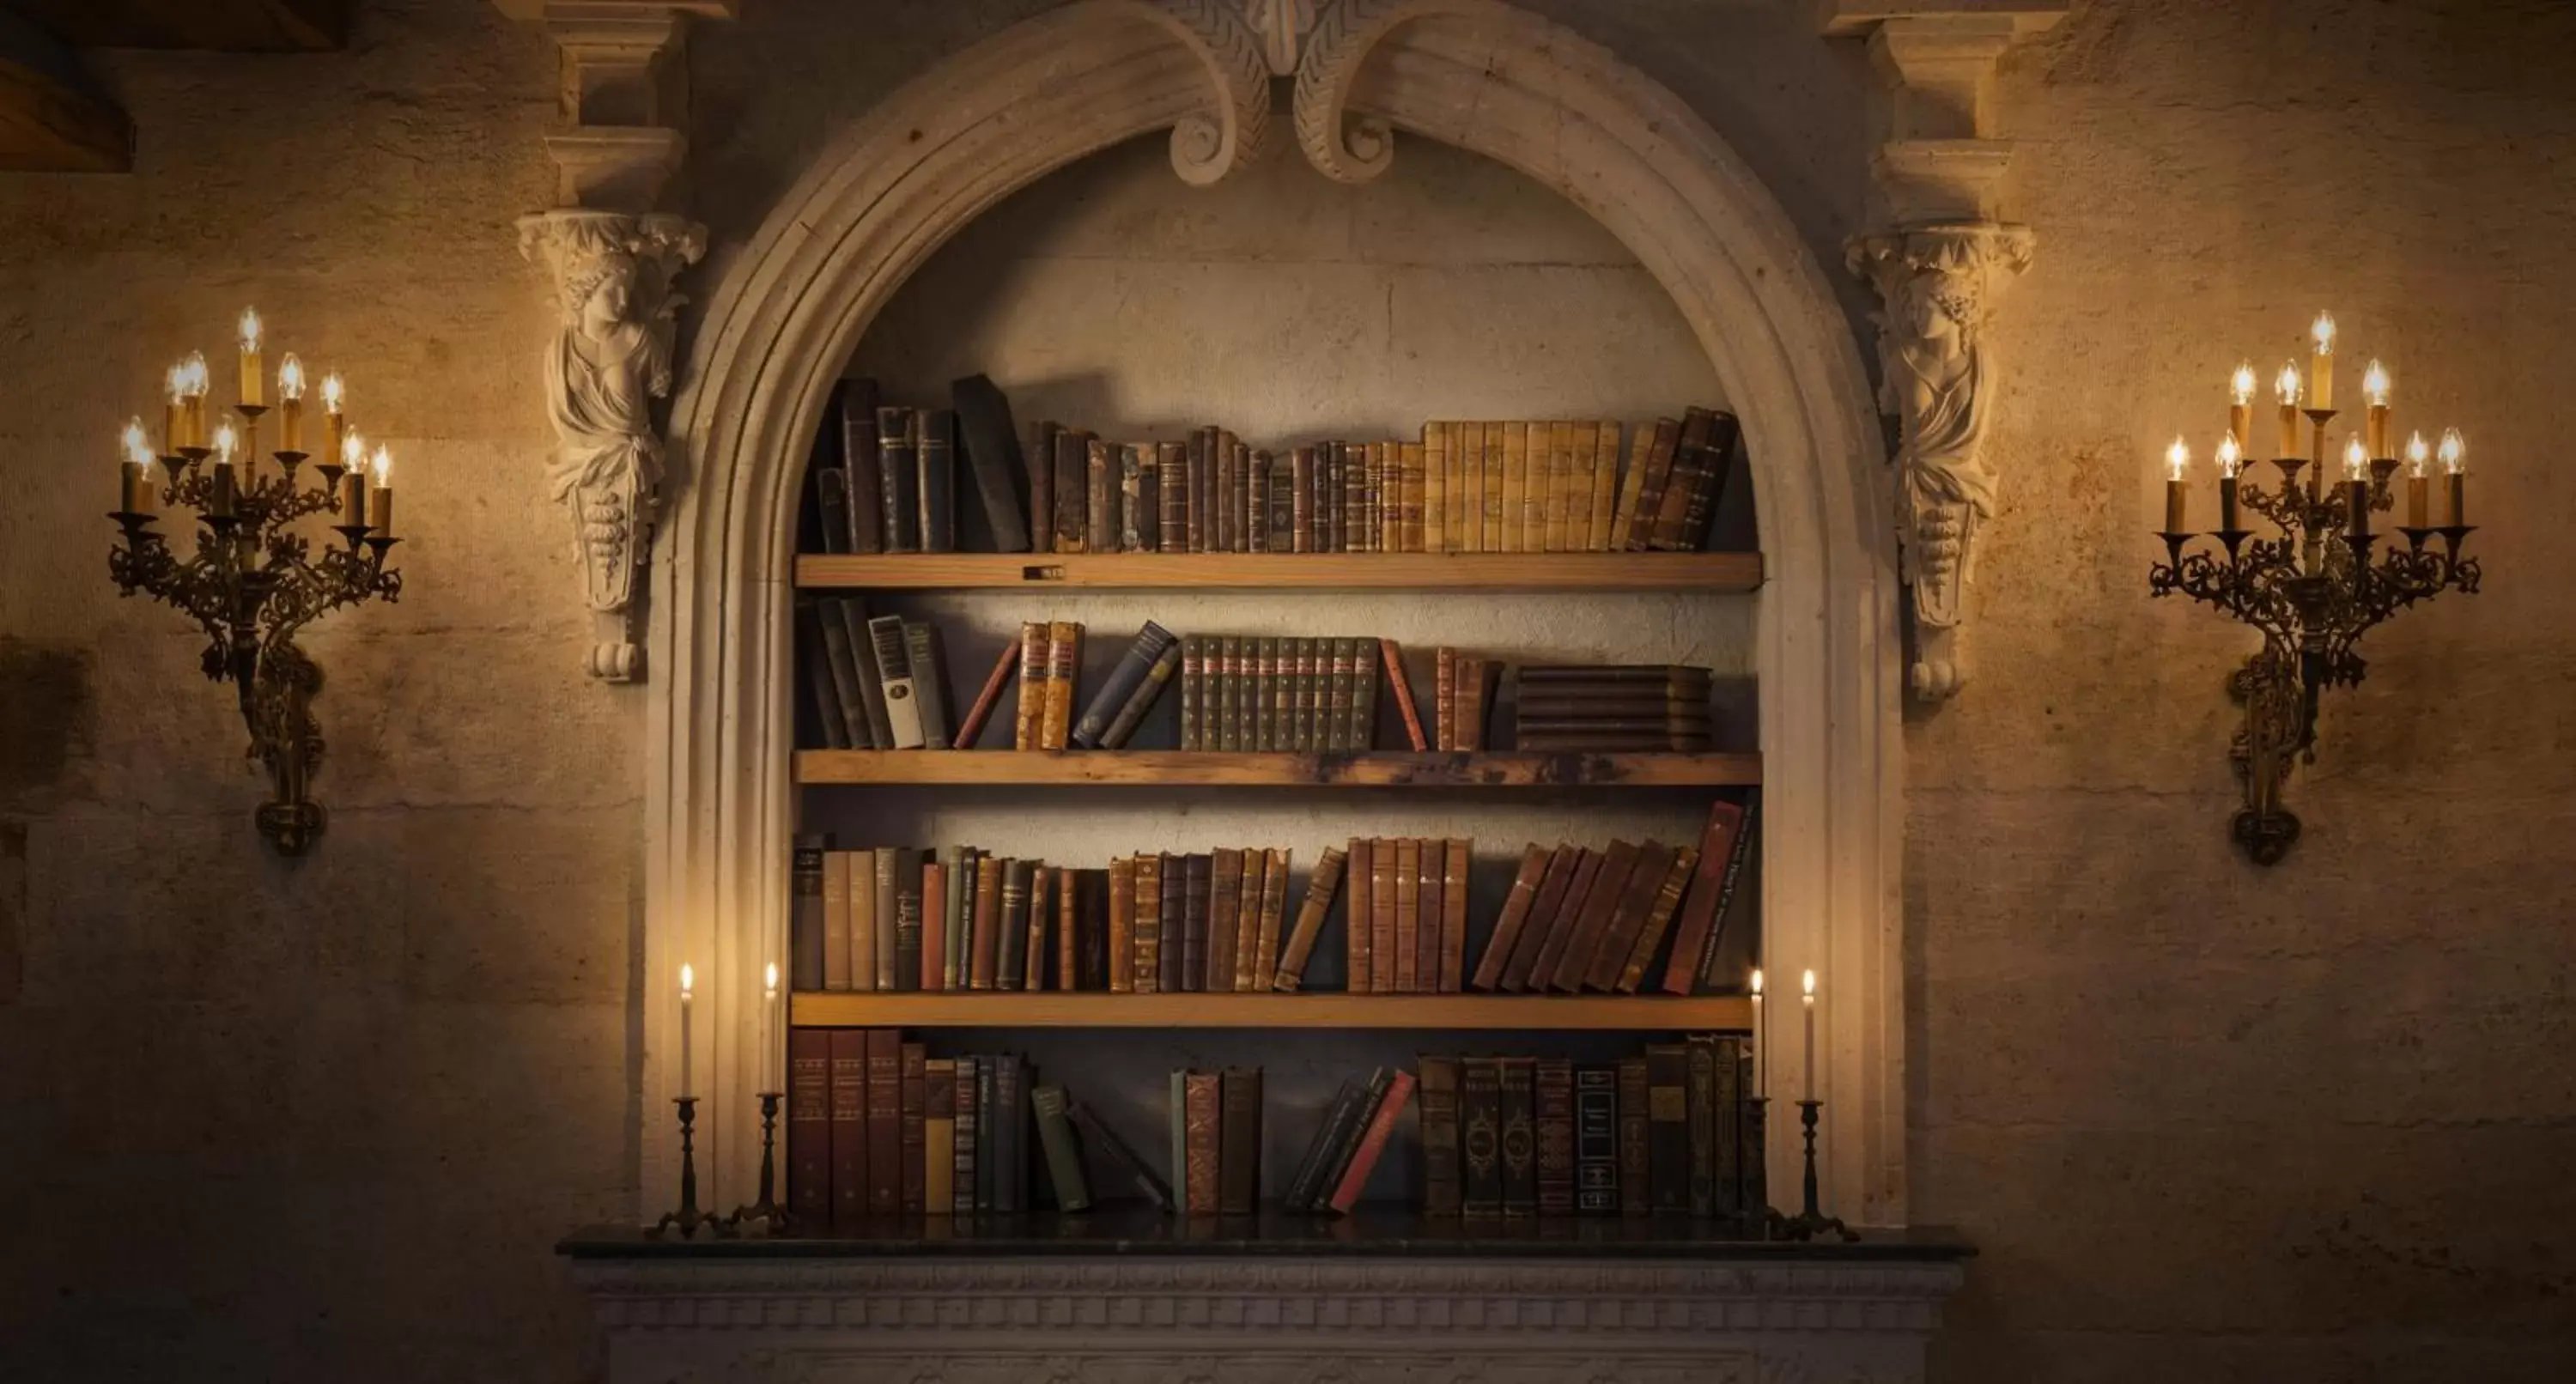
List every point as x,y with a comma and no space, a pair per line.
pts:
765,1214
1811,1221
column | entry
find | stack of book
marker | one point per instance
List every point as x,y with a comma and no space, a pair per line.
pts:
1260,693
1216,1141
1349,1142
1580,919
1665,1132
876,684
1612,707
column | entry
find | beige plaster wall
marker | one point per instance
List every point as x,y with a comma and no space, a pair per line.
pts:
2206,1122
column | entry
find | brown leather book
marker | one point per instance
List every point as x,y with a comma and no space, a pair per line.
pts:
1657,464
849,1137
1171,916
1605,485
1027,724
1616,742
1438,1088
1426,893
1145,976
1195,875
1257,519
1536,866
1247,921
1698,917
1238,1177
1386,496
1560,513
1201,1119
1010,964
1300,946
809,1125
933,931
1220,501
1444,706
1435,487
1598,967
1039,462
1520,1135
1043,902
1453,915
1635,1137
1072,487
1350,505
1100,495
984,962
1357,916
971,729
912,1105
1411,461
1301,500
1582,462
1569,953
1274,904
1064,662
885,1121
1133,461
1122,925
1408,915
1555,1102
1239,493
1225,901
1480,1136
1393,656
1690,453
1194,511
1383,952
1072,923
1472,677
1659,919
1171,497
1668,1127
1567,921
1517,508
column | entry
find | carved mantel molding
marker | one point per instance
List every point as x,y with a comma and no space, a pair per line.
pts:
1938,262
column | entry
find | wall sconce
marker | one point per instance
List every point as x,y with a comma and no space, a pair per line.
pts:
252,582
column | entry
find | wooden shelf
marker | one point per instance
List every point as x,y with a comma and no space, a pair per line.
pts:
1182,768
1724,572
1331,1009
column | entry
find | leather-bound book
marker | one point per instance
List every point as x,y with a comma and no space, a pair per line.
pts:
1444,704
1632,481
1172,922
1145,932
1384,956
1598,968
922,654
1636,1137
1257,517
1656,465
916,959
899,481
1301,500
1176,1125
863,524
1467,485
1274,906
1172,494
971,729
1072,486
1122,727
912,1105
1194,508
1429,915
1555,1102
1124,1163
1038,463
814,660
837,917
1385,498
1480,1136
1011,952
1406,926
1470,703
842,655
1415,487
1283,503
855,626
1583,460
1122,925
1442,1192
1239,1141
1239,505
1044,904
1717,463
991,441
1336,1160
1727,1114
1225,694
1011,1133
876,887
1220,507
1029,721
807,862
1063,1155
1392,655
906,916
1087,958
1200,1123
1148,508
1350,507
939,1136
891,661
1659,918
957,961
1247,922
934,450
1360,914
1668,1132
809,1125
832,507
1329,536
1453,915
1300,946
1134,667
985,955
1064,663
1337,707
1265,694
885,1121
1372,1143
1523,527
1560,903
1596,1140
1569,491
1571,942
849,1132
1129,460
1435,487
1753,1189
1699,1057
1690,454
1225,901
1100,495
1197,877
1194,686
965,1177
1306,1184
1724,845
1520,1135
1605,485
988,1124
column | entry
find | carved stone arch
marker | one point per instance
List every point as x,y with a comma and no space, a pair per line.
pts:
1488,78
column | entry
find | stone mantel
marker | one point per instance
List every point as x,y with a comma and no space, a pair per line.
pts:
929,1310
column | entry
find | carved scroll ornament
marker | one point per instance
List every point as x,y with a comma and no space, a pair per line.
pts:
607,362
1936,285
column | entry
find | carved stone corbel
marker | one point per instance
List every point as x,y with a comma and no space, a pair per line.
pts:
1937,374
608,361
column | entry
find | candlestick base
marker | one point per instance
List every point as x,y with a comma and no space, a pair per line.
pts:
2415,535
688,1218
378,543
1811,1221
355,533
765,1215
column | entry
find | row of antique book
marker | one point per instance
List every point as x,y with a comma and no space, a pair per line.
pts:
880,683
900,919
878,1128
884,480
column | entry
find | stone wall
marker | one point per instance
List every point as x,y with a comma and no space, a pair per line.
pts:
2205,1121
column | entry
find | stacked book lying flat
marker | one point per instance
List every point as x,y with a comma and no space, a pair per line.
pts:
1612,707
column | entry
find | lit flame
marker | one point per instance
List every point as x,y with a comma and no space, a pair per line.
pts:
2177,457
2356,461
179,383
1757,982
225,441
1807,983
138,447
192,375
331,392
2323,330
2241,384
2285,386
2418,454
353,452
384,468
2454,450
290,377
249,330
2374,385
2230,456
769,981
688,982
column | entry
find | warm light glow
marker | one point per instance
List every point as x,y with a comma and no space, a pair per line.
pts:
353,452
1757,981
225,441
178,384
1807,983
2177,457
2230,457
137,446
290,377
769,981
192,376
2285,386
384,468
688,982
2454,451
2356,461
2241,384
2323,330
249,330
2374,385
331,392
2418,454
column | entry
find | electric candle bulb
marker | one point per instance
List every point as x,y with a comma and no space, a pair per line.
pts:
2177,457
136,446
331,392
251,375
2356,475
353,451
174,415
2418,504
769,981
134,470
380,500
2240,403
335,422
2454,451
2374,385
2323,332
192,393
225,441
2240,386
2418,455
2356,461
2285,386
384,462
1761,1042
290,379
1807,984
688,982
249,330
2230,457
2321,383
290,404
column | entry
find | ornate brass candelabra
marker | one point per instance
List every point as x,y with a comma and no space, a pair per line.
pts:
2314,588
251,581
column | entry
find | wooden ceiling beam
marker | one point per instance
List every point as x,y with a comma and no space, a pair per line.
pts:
51,119
213,26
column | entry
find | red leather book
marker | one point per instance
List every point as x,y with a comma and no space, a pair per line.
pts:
1357,915
1408,914
1427,909
1549,921
971,728
1537,865
1577,933
1453,916
849,1059
1200,1120
885,1121
1599,968
809,1125
1380,1128
1393,655
1699,906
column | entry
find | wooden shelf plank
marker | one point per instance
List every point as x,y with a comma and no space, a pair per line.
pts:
1170,768
1723,572
1059,1009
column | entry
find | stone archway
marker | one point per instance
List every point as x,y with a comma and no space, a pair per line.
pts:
1480,75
